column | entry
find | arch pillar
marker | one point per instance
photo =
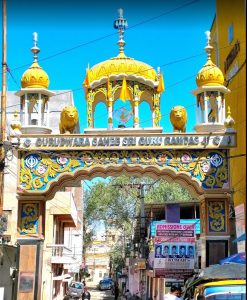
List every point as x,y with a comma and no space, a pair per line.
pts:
156,114
215,231
90,114
137,95
136,112
110,122
30,238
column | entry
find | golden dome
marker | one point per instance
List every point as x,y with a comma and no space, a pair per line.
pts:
35,77
209,75
121,65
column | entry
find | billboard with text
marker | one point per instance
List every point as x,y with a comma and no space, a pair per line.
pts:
174,250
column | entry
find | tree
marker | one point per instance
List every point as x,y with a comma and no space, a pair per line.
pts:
116,202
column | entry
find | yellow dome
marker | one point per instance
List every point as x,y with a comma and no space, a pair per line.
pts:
121,65
35,77
210,74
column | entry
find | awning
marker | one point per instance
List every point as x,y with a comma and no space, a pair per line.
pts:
238,258
240,238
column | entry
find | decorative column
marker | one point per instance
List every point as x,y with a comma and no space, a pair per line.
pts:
110,121
206,108
137,94
90,118
39,109
197,109
219,109
215,233
31,219
136,112
26,110
223,104
47,113
156,115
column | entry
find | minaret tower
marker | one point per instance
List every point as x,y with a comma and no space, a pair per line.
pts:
34,96
210,96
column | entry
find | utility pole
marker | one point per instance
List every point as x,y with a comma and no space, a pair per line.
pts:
141,188
142,216
3,106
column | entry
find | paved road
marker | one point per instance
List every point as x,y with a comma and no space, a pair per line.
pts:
99,295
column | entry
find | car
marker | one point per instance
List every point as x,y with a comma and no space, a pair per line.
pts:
75,290
105,284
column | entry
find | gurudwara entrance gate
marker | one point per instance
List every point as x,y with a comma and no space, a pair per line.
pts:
47,162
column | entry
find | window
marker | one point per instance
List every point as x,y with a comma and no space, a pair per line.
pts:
230,33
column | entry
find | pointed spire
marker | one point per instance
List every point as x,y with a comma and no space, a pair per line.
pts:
35,49
158,71
229,121
208,49
121,24
125,94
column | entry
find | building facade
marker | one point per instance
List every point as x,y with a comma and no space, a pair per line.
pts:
34,109
229,39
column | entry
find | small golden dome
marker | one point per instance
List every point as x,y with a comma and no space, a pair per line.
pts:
16,124
229,121
35,77
121,65
210,74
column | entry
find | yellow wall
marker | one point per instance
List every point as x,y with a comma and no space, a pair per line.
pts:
233,12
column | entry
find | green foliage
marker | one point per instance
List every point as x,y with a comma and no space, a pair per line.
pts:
163,191
117,257
84,274
117,202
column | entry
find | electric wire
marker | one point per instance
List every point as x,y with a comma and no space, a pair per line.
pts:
112,34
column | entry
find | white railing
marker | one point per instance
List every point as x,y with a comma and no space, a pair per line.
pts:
61,254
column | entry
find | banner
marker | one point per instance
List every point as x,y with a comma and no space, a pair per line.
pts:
174,256
172,273
174,249
175,230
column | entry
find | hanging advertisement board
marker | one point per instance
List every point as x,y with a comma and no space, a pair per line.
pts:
174,250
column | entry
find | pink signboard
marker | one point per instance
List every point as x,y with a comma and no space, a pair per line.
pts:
172,273
174,250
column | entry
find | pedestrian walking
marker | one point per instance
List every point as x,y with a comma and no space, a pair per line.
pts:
86,294
116,291
174,293
127,295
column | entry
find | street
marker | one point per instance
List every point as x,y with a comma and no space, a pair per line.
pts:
96,294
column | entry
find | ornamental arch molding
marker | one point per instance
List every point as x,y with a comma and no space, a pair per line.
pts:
42,173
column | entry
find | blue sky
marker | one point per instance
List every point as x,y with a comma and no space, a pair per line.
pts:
159,34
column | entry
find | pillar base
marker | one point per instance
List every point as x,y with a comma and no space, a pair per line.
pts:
29,266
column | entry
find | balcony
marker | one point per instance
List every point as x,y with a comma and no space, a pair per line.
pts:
61,254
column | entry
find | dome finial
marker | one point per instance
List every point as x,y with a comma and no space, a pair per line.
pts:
35,49
208,49
229,121
121,24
